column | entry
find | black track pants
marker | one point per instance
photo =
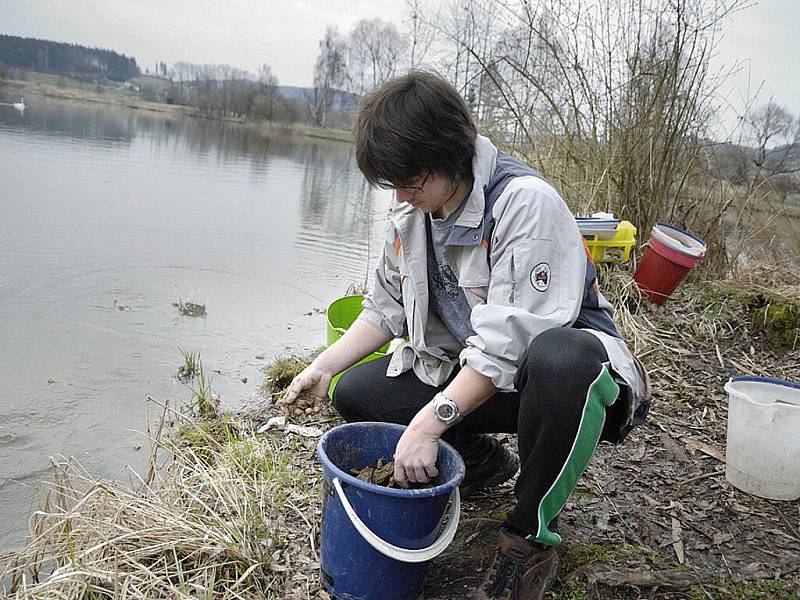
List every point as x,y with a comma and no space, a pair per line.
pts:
564,405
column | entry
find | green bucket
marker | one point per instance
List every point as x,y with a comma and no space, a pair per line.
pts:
341,314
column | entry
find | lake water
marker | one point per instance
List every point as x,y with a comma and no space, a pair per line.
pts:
107,218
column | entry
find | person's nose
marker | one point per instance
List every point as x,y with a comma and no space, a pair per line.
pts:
403,195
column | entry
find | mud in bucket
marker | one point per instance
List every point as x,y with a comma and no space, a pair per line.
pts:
376,541
669,255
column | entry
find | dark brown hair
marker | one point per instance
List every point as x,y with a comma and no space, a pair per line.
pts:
412,125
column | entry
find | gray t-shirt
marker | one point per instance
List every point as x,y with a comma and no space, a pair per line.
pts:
447,298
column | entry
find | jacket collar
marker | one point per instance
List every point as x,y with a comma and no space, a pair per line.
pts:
466,230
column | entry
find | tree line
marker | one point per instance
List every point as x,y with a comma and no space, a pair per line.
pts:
65,59
346,68
227,91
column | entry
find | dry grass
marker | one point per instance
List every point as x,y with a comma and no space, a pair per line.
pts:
211,519
281,371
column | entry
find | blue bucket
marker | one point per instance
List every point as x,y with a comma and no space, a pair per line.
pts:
377,541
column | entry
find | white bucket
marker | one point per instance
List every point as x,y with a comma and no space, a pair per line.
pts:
763,448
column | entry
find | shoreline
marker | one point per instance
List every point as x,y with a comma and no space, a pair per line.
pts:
130,101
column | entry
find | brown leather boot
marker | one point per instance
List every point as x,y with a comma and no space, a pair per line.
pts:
496,464
520,571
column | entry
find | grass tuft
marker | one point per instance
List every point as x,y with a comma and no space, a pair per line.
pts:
204,402
281,371
191,366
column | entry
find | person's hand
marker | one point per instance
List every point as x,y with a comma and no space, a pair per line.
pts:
311,381
415,455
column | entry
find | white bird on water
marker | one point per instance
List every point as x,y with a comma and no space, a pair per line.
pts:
20,105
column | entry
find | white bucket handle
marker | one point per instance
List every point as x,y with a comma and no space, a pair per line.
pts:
403,554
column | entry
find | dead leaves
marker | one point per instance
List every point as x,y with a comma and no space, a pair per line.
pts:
706,449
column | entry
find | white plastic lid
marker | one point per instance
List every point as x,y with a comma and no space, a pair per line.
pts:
679,240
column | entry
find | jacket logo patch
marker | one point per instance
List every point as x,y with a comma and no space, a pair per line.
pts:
540,277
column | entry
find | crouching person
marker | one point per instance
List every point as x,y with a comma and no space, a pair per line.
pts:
485,273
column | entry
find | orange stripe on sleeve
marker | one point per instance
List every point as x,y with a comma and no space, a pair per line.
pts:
586,248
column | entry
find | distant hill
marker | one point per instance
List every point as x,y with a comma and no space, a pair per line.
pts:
788,156
66,59
345,101
292,91
738,161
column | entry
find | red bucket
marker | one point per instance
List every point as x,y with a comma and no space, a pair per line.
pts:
669,255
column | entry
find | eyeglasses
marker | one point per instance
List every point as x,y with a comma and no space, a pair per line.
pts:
414,189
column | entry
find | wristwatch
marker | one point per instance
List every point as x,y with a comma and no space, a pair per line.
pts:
446,410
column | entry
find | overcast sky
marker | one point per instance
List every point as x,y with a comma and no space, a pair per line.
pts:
762,39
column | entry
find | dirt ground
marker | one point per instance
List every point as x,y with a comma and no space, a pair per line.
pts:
654,517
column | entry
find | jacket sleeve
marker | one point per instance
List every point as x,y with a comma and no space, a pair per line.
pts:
538,266
383,306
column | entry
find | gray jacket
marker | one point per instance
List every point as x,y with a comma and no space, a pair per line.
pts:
523,266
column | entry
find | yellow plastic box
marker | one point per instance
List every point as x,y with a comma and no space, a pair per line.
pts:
617,249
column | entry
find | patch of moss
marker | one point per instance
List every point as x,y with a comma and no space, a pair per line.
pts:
780,320
655,559
776,316
728,588
570,590
729,295
579,556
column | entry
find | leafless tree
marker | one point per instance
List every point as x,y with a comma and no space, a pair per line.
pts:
263,105
772,126
218,89
420,34
330,74
377,51
611,100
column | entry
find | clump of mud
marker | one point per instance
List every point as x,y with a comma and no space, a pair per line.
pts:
383,474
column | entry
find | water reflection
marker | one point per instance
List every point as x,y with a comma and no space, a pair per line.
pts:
104,207
83,122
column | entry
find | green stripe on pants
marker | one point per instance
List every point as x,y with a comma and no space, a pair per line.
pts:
602,393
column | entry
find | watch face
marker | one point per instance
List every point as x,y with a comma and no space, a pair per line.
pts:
445,411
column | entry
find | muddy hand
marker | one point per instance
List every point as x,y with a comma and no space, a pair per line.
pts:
415,456
311,381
